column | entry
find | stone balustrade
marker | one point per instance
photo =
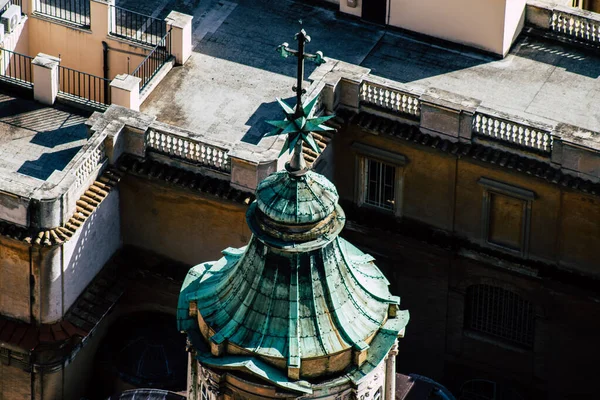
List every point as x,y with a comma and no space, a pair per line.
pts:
510,130
391,98
89,163
581,25
571,22
189,149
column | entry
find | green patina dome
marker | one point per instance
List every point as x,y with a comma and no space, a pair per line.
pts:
298,302
302,199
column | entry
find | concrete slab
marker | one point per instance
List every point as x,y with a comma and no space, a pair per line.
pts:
228,87
37,143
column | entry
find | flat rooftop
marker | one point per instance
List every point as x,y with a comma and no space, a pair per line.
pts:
229,85
37,143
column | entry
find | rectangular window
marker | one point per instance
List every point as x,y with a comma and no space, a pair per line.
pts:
506,216
498,312
506,221
381,179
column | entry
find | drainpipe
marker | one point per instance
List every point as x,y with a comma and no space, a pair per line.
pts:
105,68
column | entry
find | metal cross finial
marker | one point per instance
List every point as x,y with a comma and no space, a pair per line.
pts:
317,58
299,123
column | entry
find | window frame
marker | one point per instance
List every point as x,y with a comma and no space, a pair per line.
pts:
364,153
492,298
492,187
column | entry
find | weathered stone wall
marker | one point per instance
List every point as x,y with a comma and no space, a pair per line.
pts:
15,384
186,226
81,49
14,279
444,191
65,271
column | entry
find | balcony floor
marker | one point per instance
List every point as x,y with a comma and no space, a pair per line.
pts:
228,87
37,143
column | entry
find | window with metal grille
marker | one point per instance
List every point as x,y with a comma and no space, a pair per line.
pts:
500,313
380,184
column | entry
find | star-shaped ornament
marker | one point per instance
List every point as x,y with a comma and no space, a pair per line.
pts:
299,128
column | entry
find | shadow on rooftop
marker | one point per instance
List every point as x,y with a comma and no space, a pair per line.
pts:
569,58
258,121
253,29
44,166
406,57
60,136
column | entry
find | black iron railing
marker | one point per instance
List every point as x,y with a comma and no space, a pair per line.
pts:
137,27
85,86
16,67
9,3
154,61
73,11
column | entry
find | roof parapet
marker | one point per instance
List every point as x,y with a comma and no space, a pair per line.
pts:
461,119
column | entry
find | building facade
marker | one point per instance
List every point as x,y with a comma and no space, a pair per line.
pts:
472,180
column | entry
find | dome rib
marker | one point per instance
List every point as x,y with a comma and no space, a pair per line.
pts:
299,296
317,325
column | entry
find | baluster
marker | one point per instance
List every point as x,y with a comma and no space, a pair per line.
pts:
202,155
490,127
528,137
510,134
386,99
197,150
476,123
186,149
571,26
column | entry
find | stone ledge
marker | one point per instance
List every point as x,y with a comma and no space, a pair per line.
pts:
86,205
478,151
185,179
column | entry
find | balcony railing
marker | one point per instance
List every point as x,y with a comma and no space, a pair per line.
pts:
87,87
73,11
390,98
16,67
509,130
189,149
10,2
150,66
577,24
89,163
137,27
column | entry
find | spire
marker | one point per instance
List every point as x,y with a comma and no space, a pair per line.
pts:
299,122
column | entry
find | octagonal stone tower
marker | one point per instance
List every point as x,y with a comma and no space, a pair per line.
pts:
298,312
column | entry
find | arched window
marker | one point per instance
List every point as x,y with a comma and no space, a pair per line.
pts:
500,313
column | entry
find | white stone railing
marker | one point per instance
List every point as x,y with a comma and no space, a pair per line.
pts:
189,149
507,129
89,164
578,24
391,98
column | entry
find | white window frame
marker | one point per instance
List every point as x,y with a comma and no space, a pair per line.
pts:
492,187
397,161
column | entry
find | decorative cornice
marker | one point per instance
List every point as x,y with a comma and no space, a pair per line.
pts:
477,151
155,170
86,205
